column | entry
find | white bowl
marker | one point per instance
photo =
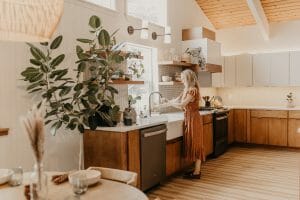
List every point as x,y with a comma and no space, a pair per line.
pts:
92,176
166,78
5,175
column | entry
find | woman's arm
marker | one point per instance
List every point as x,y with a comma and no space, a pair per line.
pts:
189,98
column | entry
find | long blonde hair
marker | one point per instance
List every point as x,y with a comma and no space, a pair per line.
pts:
191,80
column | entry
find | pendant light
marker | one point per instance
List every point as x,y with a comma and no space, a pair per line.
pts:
29,20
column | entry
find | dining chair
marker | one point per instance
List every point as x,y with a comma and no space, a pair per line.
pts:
127,177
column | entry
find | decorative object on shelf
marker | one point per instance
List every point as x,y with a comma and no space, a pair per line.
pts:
197,57
40,18
144,30
166,78
167,35
136,68
186,57
34,127
290,100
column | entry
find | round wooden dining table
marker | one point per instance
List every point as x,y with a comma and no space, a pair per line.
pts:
106,190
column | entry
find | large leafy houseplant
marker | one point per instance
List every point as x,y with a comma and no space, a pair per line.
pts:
76,102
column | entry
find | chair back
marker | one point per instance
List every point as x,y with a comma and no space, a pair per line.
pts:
127,177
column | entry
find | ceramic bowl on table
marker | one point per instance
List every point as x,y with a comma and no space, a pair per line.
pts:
5,175
92,176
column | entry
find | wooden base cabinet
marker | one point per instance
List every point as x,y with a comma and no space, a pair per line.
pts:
268,127
294,129
278,132
230,127
259,130
240,125
173,157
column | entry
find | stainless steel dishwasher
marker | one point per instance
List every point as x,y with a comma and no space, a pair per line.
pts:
153,156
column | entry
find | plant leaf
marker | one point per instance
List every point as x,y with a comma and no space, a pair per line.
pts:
104,38
56,61
37,53
55,127
84,40
94,22
56,42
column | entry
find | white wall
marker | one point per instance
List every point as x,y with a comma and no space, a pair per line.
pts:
62,150
258,96
284,36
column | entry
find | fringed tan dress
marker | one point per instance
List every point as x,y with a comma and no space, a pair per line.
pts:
193,129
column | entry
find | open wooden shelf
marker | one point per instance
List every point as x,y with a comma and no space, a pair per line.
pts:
175,63
122,53
212,68
123,82
4,131
170,83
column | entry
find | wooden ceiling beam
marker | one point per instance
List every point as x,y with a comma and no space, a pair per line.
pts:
260,17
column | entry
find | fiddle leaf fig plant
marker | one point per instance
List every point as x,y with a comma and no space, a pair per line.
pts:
75,102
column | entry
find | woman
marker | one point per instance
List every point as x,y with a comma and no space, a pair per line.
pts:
193,124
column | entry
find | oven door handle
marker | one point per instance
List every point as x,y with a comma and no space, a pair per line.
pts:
221,118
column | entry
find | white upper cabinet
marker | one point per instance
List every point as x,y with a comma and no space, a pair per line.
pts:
261,69
229,71
280,69
243,70
295,68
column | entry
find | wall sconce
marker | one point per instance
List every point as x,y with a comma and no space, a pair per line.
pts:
167,35
144,29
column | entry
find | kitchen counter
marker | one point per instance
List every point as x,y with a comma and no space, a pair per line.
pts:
263,107
152,121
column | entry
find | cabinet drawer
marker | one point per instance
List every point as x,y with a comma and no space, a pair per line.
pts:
269,113
295,114
207,119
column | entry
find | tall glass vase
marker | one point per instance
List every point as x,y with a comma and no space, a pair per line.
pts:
38,183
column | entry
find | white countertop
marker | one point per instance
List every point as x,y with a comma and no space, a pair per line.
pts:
148,122
263,107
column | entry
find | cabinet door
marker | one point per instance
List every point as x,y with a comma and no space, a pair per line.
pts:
240,125
277,133
294,133
294,68
229,71
243,70
208,138
173,157
279,73
261,69
230,127
259,130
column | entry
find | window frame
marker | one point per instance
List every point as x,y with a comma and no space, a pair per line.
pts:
115,9
150,22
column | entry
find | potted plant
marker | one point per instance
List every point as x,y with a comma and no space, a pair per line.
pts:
77,102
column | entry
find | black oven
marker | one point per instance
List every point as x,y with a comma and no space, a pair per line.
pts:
220,130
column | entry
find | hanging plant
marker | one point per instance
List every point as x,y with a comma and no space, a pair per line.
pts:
74,102
197,57
136,68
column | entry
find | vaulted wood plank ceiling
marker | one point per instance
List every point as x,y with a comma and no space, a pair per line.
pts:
227,13
281,10
234,13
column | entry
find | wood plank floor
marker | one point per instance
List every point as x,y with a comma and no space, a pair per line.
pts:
242,173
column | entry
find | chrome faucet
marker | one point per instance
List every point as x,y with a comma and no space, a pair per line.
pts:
160,95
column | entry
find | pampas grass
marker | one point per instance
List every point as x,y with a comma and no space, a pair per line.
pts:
34,127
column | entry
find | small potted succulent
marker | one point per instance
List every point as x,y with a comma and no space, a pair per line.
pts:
290,100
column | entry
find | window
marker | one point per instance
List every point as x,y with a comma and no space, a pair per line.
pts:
105,3
148,62
154,11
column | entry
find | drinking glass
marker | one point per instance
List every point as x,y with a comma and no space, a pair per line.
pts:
17,177
79,184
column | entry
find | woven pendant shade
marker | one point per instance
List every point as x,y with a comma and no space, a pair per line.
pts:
29,20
